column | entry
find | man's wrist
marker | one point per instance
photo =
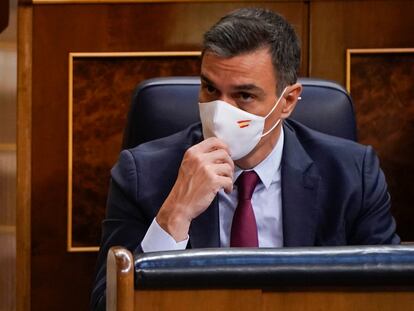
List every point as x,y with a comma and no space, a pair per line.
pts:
173,222
157,239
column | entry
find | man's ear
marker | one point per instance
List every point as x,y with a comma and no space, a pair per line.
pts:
291,97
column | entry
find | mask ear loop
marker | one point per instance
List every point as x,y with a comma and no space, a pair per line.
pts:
274,107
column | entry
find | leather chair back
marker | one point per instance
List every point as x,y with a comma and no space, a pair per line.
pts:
164,106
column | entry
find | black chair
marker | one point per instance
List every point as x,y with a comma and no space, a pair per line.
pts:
317,278
164,106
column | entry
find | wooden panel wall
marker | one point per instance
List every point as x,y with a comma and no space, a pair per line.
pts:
100,102
8,91
61,280
340,25
381,84
4,14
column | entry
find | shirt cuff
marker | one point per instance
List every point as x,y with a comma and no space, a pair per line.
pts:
157,239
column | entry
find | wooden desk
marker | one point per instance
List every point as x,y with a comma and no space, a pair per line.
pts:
123,297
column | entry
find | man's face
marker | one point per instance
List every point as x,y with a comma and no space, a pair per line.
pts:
247,82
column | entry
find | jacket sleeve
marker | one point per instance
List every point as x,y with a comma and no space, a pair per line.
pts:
125,224
375,224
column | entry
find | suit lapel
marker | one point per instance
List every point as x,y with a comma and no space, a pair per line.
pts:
204,230
300,182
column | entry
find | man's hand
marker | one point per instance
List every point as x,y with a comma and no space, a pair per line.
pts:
205,169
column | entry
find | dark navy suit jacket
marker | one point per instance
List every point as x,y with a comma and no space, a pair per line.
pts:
333,193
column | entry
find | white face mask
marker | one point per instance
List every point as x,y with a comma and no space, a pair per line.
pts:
239,129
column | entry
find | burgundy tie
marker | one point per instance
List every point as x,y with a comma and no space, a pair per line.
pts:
244,228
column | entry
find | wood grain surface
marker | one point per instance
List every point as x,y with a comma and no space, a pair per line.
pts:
102,92
326,29
327,299
57,31
382,89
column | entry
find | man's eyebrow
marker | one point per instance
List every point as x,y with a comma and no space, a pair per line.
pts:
206,80
241,87
249,87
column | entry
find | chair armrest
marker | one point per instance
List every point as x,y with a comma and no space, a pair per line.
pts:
262,268
120,280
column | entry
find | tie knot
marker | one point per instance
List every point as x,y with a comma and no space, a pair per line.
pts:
246,183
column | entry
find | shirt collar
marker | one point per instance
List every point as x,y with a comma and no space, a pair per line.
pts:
269,169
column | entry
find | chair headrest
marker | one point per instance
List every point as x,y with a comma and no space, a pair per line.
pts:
164,106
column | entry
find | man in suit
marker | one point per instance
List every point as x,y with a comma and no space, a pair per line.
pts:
246,176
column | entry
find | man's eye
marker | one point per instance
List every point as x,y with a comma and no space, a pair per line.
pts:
209,88
243,96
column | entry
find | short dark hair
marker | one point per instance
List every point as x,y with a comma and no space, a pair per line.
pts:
248,29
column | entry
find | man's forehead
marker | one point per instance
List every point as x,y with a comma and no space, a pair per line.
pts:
246,71
260,55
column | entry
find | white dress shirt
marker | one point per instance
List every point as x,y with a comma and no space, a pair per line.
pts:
266,201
